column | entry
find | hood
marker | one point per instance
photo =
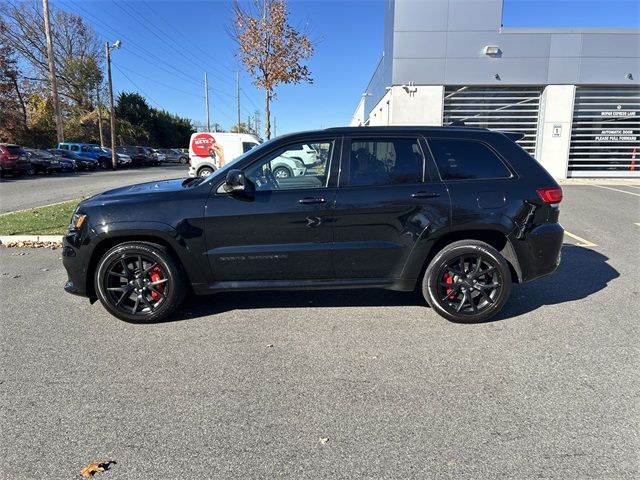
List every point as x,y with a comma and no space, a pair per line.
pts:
163,186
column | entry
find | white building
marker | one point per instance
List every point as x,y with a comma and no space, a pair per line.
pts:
573,92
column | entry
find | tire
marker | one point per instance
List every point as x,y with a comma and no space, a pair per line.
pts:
282,172
205,172
140,295
183,160
104,163
472,296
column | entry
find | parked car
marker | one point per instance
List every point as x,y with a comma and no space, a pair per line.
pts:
306,154
285,167
91,150
139,155
456,212
156,157
124,160
42,162
14,160
174,155
208,151
81,162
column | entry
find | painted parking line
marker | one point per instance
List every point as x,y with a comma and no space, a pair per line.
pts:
638,224
617,190
581,241
632,186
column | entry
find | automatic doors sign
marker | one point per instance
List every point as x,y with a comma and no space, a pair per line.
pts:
616,135
202,145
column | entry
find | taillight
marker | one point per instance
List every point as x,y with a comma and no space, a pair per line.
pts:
550,195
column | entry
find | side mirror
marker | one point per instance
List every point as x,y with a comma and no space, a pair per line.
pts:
235,182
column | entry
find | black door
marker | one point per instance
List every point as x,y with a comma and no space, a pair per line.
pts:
281,229
387,208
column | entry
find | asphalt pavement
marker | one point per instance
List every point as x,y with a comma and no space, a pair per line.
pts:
334,384
27,192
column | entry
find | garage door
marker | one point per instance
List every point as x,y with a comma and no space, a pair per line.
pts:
506,108
605,135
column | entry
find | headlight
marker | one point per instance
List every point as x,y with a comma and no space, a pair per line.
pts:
77,221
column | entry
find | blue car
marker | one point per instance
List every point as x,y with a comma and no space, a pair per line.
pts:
90,150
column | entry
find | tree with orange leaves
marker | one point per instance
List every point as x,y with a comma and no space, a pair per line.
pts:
270,48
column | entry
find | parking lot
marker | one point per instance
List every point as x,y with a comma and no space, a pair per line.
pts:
17,193
336,384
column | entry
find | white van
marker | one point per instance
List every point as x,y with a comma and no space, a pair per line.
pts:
209,151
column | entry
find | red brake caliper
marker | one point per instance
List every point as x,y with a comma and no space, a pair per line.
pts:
156,275
448,279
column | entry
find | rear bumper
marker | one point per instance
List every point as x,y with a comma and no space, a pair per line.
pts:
539,251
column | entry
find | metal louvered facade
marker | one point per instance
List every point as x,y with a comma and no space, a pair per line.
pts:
605,133
500,108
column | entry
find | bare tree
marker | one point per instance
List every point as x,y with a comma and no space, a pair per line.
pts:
78,53
270,48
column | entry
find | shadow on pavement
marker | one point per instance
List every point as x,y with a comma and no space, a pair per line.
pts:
581,273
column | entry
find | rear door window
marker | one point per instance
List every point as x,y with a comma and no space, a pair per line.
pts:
385,161
75,148
466,160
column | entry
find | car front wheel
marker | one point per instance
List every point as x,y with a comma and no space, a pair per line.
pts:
467,281
139,282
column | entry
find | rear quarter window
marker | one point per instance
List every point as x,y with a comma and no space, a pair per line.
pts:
466,160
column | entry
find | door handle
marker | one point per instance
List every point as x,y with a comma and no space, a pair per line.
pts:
308,200
425,195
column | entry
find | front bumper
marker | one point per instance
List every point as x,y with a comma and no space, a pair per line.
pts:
75,263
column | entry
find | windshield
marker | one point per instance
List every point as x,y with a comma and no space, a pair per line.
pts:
222,172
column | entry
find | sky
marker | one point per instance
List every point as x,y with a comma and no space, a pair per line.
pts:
167,46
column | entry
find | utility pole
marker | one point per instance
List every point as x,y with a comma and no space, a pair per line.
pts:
112,114
99,115
256,121
52,72
238,96
206,100
249,127
275,130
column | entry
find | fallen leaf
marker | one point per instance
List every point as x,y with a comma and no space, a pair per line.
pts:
269,345
96,467
16,276
45,269
18,254
323,440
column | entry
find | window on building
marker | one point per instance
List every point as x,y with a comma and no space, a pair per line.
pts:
385,162
466,160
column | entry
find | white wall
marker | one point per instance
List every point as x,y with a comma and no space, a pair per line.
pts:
554,128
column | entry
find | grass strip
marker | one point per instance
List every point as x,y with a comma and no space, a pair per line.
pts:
47,220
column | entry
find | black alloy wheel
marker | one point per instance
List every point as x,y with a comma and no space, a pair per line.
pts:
139,282
467,281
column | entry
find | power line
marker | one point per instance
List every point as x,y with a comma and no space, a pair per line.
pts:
136,85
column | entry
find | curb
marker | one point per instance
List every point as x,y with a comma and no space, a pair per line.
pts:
28,240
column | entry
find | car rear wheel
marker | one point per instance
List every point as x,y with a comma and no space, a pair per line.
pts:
467,281
104,163
183,160
205,172
139,282
282,172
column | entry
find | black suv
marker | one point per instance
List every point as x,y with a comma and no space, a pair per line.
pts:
139,155
459,213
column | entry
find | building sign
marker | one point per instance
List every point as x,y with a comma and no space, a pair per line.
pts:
616,135
557,131
618,113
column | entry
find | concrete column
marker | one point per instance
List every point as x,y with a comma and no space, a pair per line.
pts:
554,128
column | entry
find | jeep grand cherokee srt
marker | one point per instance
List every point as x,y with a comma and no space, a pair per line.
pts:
458,213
